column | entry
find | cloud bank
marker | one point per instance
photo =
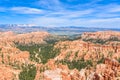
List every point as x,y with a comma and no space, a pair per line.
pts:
98,13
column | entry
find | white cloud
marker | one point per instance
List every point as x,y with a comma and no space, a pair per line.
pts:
2,9
47,21
26,10
69,14
105,15
105,23
105,20
100,16
57,21
77,14
79,17
109,8
115,9
50,4
56,13
106,11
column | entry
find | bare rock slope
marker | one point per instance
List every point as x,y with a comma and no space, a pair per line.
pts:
104,58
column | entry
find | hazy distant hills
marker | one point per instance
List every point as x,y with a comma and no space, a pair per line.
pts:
67,30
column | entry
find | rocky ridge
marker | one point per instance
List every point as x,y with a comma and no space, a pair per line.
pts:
80,49
13,59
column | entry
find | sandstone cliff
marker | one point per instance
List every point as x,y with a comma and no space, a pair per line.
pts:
31,38
109,70
101,36
89,51
13,60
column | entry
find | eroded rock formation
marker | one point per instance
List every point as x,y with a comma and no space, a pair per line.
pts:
12,59
80,49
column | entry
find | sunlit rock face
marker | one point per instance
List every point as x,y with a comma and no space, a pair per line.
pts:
6,39
8,57
109,70
11,57
59,72
87,50
102,35
31,38
8,73
9,54
24,39
6,34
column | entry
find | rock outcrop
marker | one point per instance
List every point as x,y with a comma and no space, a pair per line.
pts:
8,73
80,49
101,36
24,39
109,70
12,59
31,38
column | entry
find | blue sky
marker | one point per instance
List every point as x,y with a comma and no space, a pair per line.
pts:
87,13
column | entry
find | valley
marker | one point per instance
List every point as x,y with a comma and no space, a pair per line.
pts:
44,56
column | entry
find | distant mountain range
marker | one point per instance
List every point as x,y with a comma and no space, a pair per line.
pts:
68,30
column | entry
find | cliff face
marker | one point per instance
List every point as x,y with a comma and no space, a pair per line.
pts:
87,50
24,39
101,36
9,54
109,70
12,59
105,35
8,73
31,38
